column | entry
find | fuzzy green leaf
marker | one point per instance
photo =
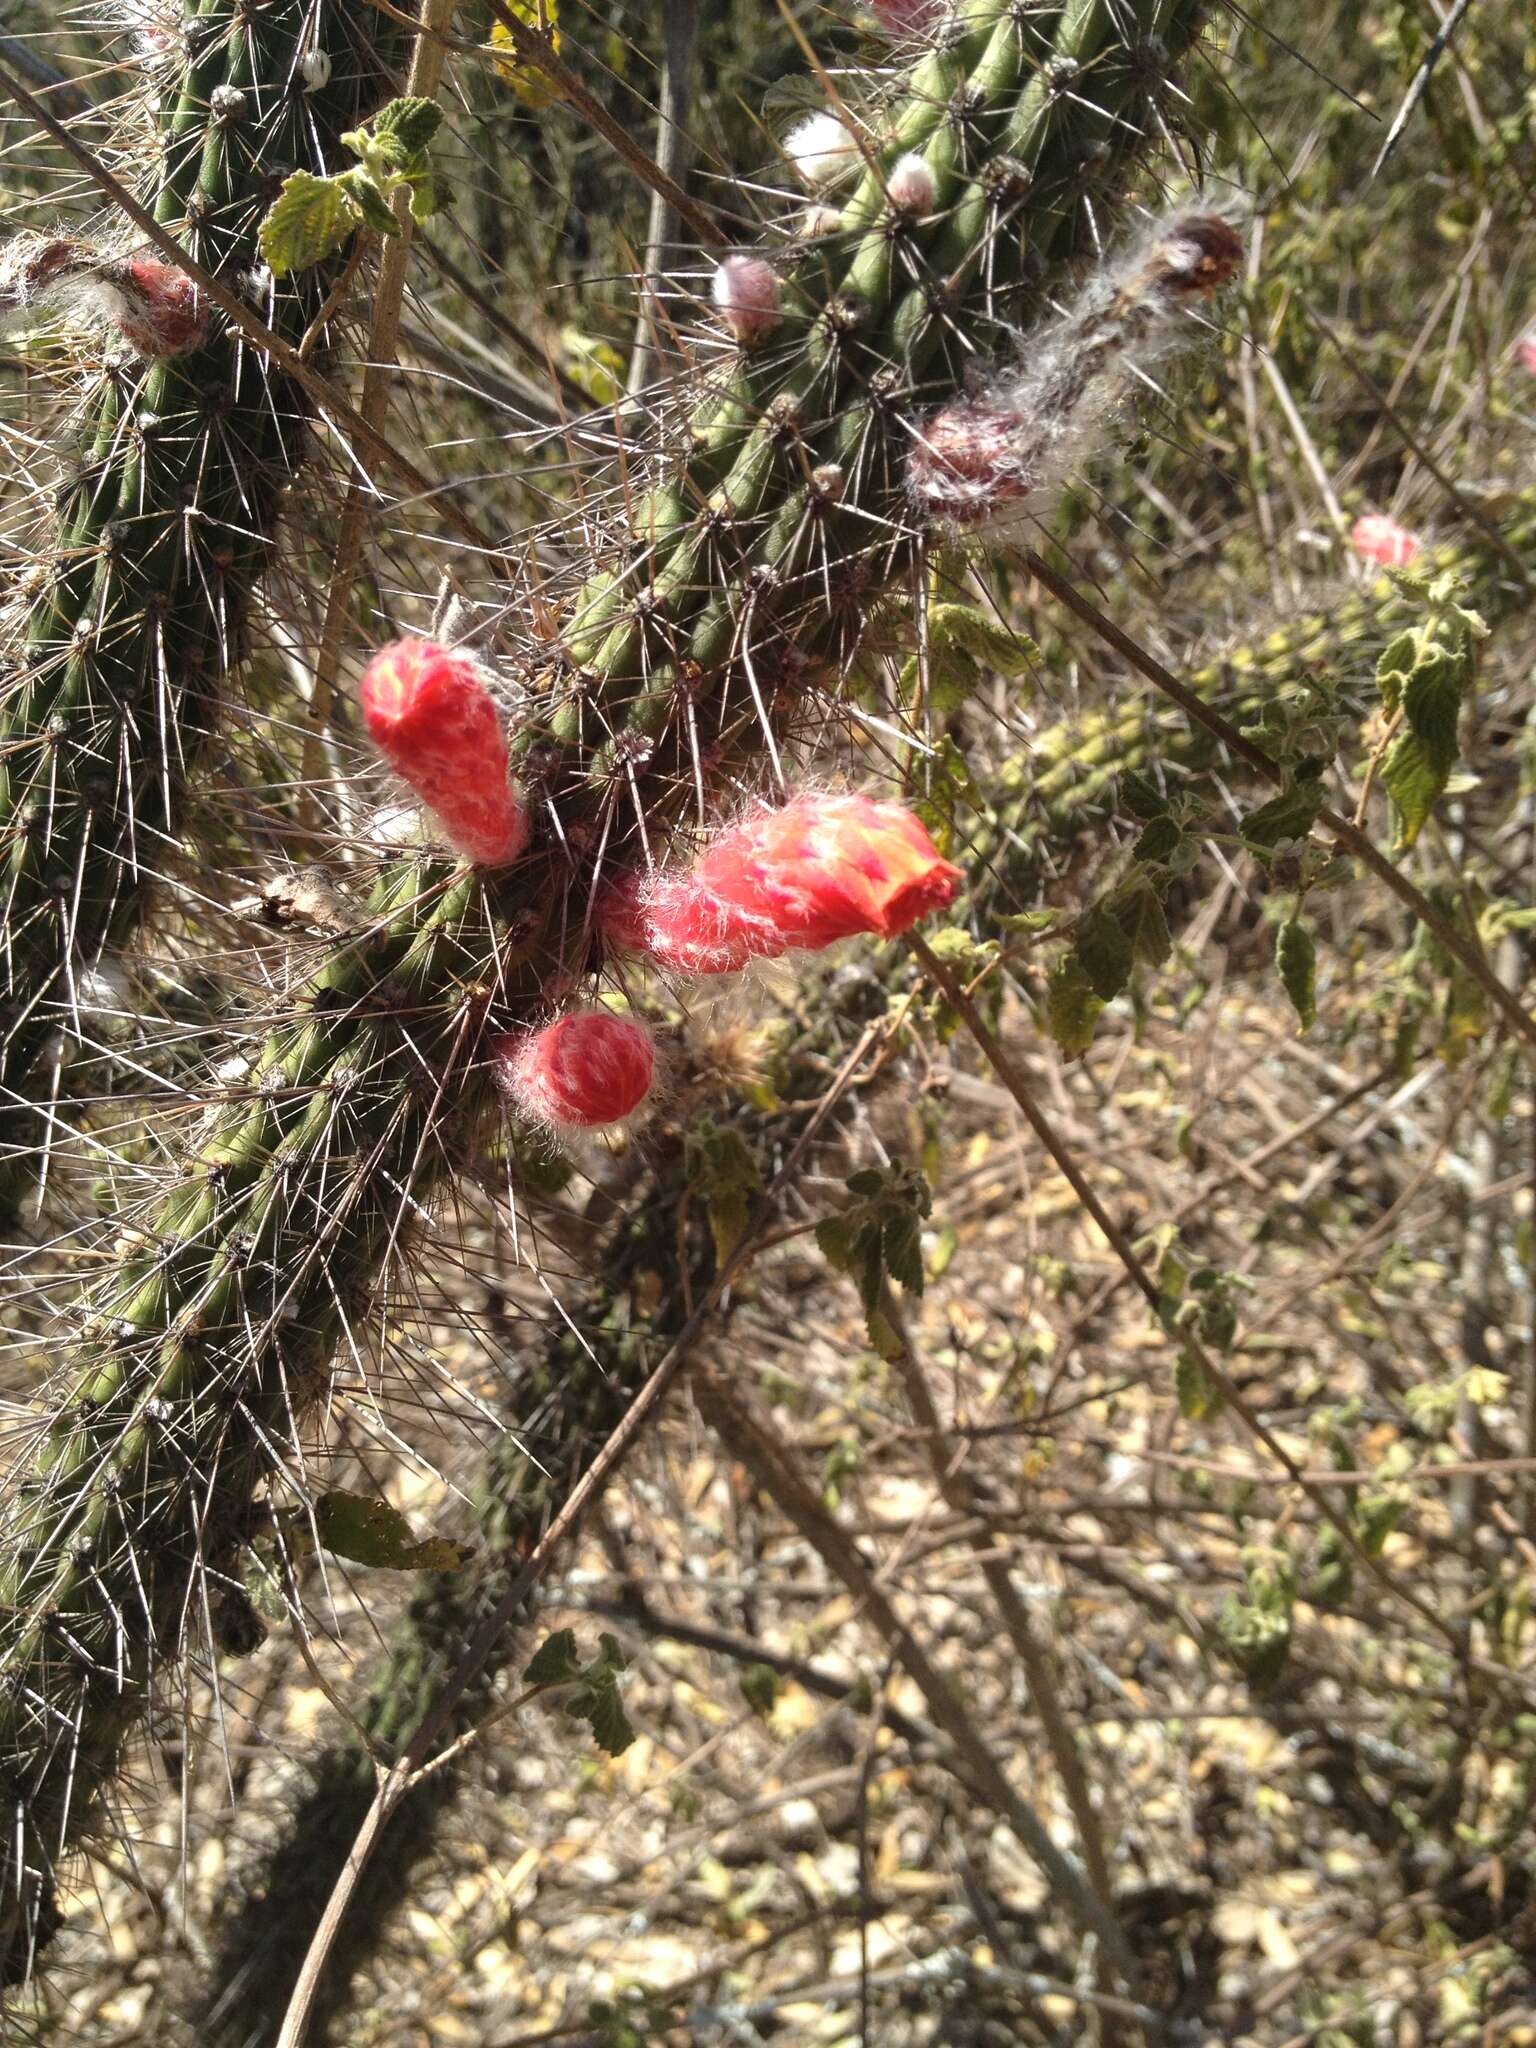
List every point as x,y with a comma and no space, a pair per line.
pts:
1160,840
370,200
1296,958
1198,1394
309,220
1141,796
555,1661
409,124
1104,950
1071,1008
1289,815
986,639
1140,911
371,1532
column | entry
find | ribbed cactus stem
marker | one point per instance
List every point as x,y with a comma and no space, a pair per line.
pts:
752,570
138,611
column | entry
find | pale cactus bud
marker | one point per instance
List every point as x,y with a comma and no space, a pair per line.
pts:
315,70
587,1069
793,879
911,187
821,150
430,715
817,222
746,290
1376,538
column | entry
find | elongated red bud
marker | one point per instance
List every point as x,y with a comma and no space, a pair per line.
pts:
430,715
587,1069
798,878
1376,538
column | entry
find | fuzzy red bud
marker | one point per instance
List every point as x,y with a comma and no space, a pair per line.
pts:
431,716
816,870
906,17
159,311
587,1069
1375,538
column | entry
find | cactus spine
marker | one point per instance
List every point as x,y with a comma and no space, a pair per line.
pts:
751,570
117,663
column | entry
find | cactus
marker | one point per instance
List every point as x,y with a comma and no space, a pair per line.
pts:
747,578
137,614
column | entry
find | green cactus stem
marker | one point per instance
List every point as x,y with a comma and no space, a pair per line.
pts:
748,576
116,668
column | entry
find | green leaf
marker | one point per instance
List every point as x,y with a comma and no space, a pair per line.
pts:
1395,667
879,1237
411,124
1198,1394
1160,840
555,1661
986,639
1296,958
1140,911
760,1689
1289,815
371,201
1071,1006
1104,950
309,219
1419,761
723,1173
371,1532
1141,796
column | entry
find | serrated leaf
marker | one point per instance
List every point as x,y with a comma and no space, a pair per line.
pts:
985,639
1104,950
1296,958
555,1661
602,1708
309,220
372,204
1289,815
1140,911
1141,796
411,124
1160,840
371,1532
1395,667
1071,1006
532,86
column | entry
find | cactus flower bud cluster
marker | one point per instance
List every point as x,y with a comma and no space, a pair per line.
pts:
746,292
792,879
990,460
587,1069
155,307
431,716
1376,538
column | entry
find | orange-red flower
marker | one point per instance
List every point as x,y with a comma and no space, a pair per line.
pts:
432,718
587,1069
816,870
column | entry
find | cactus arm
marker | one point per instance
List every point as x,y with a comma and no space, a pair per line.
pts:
121,651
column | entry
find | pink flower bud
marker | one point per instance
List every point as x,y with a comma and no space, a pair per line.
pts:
906,17
911,187
432,718
159,310
819,869
1526,348
746,290
587,1069
1378,539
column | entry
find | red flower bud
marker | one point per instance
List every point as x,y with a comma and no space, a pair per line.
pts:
587,1069
1379,539
905,17
432,718
1527,351
820,869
